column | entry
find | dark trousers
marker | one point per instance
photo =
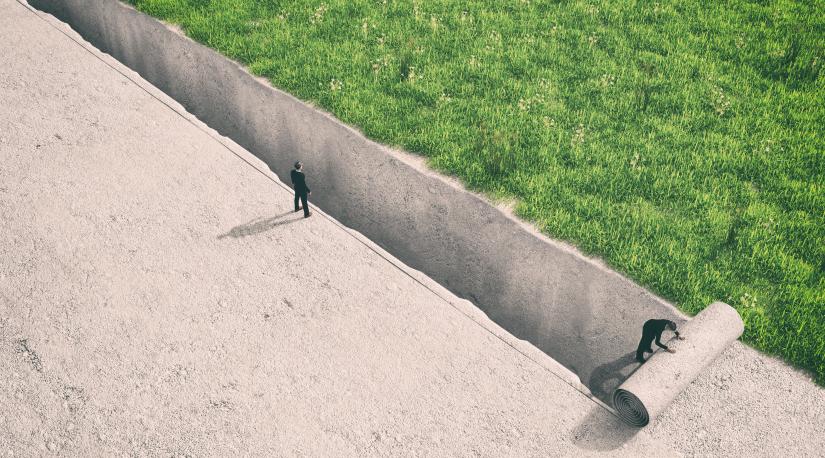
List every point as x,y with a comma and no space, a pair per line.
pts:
644,347
303,197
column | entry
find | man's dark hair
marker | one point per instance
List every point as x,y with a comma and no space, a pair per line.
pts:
298,165
671,325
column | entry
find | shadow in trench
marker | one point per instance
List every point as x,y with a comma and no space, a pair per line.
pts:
606,378
258,225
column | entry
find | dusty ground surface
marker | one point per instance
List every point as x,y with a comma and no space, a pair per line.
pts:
746,404
157,297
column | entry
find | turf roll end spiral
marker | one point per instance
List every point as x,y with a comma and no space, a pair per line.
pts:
630,408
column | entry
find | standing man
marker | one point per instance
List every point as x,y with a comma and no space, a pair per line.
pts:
299,183
651,330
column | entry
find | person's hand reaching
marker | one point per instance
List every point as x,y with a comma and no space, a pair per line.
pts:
670,350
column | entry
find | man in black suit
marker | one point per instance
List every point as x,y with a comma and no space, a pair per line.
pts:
299,183
652,330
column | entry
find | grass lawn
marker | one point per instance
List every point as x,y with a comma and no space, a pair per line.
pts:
682,141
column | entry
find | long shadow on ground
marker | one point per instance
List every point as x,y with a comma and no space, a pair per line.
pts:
259,225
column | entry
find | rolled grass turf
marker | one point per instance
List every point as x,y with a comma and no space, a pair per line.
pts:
682,142
656,383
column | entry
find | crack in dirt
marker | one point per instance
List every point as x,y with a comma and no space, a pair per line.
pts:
24,349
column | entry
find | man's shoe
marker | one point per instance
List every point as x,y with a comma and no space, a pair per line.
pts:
298,209
308,215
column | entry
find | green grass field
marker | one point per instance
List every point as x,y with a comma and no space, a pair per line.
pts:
681,141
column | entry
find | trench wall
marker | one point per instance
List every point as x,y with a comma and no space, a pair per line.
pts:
574,309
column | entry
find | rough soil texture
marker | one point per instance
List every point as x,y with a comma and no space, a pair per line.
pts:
746,404
158,297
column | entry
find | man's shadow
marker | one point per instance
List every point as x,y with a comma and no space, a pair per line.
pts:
258,225
606,378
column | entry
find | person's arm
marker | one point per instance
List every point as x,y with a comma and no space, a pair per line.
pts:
659,341
661,345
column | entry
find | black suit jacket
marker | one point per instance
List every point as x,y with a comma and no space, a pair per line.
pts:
653,329
299,181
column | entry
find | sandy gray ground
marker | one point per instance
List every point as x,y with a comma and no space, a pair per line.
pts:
157,297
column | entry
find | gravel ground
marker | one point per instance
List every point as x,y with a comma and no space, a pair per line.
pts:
158,297
746,404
